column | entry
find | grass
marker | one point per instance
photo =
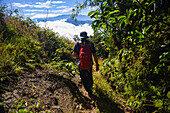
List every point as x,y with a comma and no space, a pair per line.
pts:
105,96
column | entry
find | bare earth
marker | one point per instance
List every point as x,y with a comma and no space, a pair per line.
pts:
45,90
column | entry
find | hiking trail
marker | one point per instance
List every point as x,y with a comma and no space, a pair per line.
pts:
49,91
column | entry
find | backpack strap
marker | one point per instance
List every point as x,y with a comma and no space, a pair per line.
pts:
90,45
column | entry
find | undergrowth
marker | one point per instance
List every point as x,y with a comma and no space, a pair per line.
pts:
24,46
104,94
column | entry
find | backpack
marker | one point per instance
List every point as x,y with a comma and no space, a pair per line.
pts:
85,56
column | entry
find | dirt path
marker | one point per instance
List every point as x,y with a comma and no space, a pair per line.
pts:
48,91
40,91
44,91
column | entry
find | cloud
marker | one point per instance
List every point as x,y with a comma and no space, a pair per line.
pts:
62,7
46,4
44,15
61,11
34,10
21,5
28,14
65,29
50,11
57,2
92,8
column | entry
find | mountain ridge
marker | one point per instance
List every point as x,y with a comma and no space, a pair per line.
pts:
81,19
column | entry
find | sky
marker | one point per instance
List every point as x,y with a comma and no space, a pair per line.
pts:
40,8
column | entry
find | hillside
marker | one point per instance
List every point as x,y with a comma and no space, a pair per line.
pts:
37,72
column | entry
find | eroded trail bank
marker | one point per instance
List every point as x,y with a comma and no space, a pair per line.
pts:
43,91
38,91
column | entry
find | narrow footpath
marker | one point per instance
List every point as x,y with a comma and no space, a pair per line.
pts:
45,91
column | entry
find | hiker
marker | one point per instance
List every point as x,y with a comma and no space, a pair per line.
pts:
84,50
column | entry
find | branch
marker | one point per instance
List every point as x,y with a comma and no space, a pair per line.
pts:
147,12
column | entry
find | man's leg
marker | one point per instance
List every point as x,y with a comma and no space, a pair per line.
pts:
90,78
84,78
90,81
87,79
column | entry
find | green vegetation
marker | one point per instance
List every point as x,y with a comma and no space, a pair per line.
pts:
136,34
130,36
25,46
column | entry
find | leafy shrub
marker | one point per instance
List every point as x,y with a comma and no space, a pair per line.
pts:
136,34
25,46
101,49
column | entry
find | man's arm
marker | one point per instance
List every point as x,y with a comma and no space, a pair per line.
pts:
95,58
96,61
74,54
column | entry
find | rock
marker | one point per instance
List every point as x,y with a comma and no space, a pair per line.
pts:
7,95
55,107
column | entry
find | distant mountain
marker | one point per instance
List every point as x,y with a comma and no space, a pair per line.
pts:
81,19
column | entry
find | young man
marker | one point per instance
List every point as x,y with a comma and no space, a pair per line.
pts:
85,68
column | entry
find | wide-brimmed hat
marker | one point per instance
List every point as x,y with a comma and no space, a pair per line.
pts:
83,35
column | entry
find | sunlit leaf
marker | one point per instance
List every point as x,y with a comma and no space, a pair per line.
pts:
122,20
92,13
120,17
105,3
168,94
18,69
113,12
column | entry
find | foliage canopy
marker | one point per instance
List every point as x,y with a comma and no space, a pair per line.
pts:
136,34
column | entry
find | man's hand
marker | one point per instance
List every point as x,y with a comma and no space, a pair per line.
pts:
96,60
74,54
97,67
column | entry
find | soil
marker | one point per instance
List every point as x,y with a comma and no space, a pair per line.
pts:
47,90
